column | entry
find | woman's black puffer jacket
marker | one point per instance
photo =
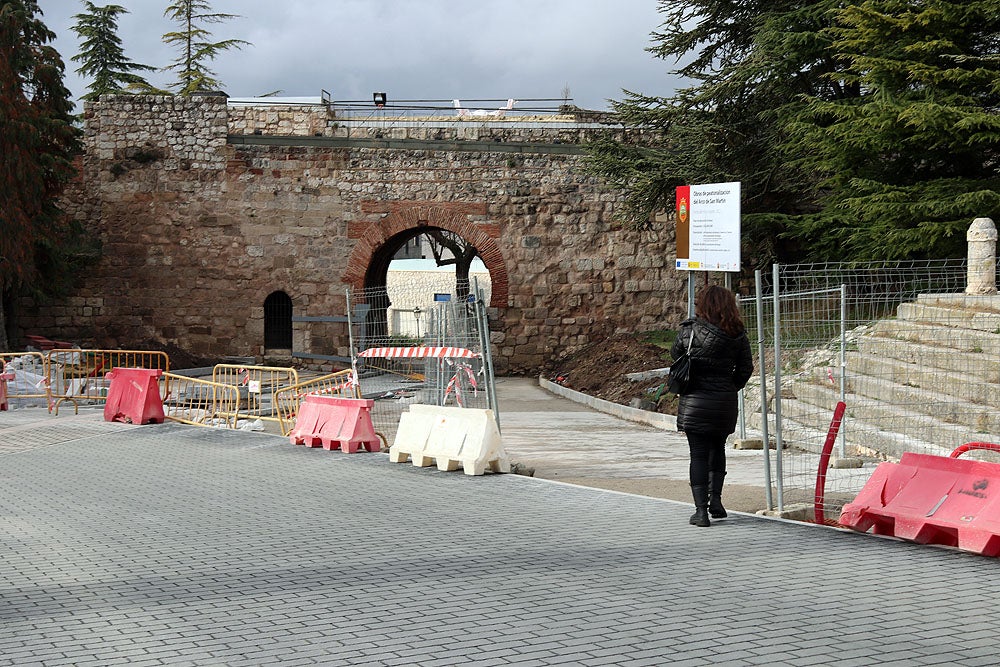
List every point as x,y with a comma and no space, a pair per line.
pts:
720,366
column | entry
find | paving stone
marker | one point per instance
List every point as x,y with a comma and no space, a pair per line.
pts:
168,544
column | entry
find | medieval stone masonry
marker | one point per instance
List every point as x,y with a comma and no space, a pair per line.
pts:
203,209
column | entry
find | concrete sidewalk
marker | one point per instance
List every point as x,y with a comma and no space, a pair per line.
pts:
176,545
567,440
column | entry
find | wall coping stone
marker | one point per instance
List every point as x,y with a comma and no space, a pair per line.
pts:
655,419
476,146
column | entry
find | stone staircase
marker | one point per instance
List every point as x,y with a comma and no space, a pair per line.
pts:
927,381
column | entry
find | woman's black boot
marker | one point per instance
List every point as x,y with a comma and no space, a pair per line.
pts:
700,516
715,508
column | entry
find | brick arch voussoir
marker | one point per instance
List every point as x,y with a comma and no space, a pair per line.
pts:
375,236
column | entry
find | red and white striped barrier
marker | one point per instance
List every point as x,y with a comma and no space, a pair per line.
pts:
418,352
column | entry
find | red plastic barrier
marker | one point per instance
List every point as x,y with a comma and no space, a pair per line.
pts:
969,446
134,396
4,378
335,423
932,500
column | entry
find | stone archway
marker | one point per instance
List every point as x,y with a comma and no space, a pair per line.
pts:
402,219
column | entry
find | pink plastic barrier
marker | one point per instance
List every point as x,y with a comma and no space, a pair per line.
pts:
4,378
134,396
932,500
335,423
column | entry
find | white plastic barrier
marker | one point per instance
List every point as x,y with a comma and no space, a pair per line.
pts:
450,436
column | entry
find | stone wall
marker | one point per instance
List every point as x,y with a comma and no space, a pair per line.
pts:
196,232
281,120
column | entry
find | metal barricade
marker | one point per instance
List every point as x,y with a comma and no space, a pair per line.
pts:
78,375
199,402
288,399
257,386
31,378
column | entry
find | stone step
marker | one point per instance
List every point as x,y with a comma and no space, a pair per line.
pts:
950,317
917,415
805,427
796,434
965,340
977,302
985,367
972,383
927,382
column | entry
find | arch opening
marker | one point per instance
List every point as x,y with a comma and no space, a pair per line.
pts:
411,271
278,322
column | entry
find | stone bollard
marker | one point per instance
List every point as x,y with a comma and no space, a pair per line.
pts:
982,239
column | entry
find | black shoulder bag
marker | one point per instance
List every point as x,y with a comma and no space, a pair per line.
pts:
680,371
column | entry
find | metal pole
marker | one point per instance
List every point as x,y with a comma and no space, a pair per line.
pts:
442,337
690,293
843,365
741,405
763,389
742,423
777,388
350,325
484,329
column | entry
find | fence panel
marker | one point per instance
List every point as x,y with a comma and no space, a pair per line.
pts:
30,386
455,319
257,386
916,360
199,402
77,376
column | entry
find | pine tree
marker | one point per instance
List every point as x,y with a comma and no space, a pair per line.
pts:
37,145
195,49
905,167
860,130
745,63
102,56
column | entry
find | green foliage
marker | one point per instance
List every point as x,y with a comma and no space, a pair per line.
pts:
743,61
901,170
37,144
101,54
661,338
191,40
859,130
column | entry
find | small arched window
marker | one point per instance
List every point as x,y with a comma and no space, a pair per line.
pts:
278,321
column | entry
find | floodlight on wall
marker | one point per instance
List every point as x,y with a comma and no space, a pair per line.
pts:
379,99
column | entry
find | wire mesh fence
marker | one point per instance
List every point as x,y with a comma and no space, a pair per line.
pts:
444,359
914,358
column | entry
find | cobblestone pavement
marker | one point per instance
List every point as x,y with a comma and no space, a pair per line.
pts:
175,545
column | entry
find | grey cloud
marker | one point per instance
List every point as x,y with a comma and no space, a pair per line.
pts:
409,48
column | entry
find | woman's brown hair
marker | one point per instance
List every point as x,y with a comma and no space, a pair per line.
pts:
717,305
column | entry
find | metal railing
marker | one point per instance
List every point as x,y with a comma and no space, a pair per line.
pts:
79,375
199,402
257,386
31,382
911,354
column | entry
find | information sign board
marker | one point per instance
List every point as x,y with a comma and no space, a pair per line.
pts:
708,227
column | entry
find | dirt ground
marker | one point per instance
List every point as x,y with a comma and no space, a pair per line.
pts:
600,370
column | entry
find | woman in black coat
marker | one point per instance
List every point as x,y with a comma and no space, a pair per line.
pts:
721,364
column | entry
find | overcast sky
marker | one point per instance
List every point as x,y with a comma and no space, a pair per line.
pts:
411,49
